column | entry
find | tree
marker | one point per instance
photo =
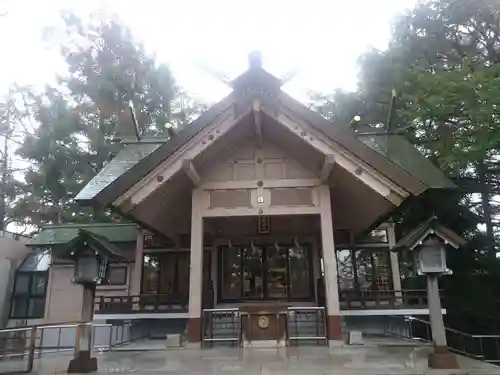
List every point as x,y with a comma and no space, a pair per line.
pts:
77,120
444,62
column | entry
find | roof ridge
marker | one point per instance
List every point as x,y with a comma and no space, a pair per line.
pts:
77,225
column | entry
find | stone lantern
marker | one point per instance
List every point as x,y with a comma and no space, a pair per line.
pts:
91,255
429,240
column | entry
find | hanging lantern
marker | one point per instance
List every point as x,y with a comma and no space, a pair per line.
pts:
432,257
90,269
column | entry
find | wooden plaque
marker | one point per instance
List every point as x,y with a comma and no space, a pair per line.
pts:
263,224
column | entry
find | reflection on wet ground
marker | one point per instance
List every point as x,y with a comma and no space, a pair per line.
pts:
369,359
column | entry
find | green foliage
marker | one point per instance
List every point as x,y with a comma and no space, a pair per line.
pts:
444,62
77,119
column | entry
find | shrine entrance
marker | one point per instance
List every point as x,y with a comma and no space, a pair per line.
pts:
270,271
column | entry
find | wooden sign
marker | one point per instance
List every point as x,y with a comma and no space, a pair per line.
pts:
264,224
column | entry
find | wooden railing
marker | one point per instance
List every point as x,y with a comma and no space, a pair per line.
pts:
144,303
376,299
383,299
150,303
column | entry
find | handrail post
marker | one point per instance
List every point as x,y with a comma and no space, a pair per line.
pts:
110,343
42,330
32,344
481,347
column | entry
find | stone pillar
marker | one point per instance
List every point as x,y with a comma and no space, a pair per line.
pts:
139,255
441,358
334,325
195,271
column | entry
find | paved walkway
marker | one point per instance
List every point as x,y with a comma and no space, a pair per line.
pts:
292,361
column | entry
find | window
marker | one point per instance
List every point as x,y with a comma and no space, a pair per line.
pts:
265,272
117,275
363,271
231,273
167,274
30,287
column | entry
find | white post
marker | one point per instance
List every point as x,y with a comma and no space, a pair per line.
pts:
139,255
195,270
436,315
334,326
441,358
135,287
394,259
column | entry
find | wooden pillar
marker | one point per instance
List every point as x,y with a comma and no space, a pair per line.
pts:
195,270
139,255
394,261
334,326
83,362
441,358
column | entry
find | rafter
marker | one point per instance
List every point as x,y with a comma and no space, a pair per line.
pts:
327,167
191,172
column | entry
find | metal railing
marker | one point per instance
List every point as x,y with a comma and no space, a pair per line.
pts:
481,347
306,324
19,347
144,303
382,299
221,326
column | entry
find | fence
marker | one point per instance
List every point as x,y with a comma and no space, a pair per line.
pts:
221,326
303,325
306,324
19,347
380,299
481,347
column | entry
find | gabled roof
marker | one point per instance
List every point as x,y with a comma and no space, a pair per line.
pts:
126,159
401,152
61,234
431,226
99,188
403,165
86,240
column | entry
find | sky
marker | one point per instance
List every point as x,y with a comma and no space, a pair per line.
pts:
318,39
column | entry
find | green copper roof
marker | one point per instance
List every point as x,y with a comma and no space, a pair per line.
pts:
86,240
402,153
61,234
129,156
394,157
413,237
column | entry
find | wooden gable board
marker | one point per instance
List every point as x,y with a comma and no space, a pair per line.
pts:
283,104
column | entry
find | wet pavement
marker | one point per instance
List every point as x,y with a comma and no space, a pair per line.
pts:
369,359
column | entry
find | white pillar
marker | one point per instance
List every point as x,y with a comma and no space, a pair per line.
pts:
334,331
213,271
195,269
436,315
441,357
135,288
394,259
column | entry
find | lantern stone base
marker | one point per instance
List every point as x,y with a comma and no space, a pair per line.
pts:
82,363
442,358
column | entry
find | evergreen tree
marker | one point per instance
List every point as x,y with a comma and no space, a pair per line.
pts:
444,62
77,119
